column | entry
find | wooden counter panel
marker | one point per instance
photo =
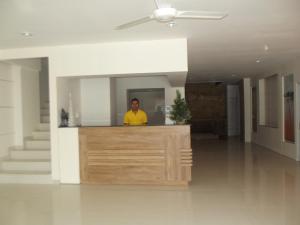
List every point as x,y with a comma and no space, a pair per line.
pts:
134,174
136,155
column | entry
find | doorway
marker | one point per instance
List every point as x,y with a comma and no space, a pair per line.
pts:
297,124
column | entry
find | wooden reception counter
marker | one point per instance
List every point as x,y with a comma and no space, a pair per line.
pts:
135,155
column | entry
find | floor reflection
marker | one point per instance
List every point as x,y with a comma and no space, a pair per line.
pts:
233,183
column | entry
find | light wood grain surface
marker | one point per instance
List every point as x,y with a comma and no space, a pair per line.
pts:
136,155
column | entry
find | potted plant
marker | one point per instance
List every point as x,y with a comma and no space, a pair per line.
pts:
180,112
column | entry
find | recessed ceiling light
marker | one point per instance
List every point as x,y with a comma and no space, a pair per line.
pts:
26,34
171,24
257,61
266,47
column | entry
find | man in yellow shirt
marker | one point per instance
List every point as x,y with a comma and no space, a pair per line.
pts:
135,116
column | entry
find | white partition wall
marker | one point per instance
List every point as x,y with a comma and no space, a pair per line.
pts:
68,143
156,57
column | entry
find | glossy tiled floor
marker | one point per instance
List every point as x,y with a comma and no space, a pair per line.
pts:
233,184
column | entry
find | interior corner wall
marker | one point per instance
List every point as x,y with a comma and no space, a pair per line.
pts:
273,138
7,130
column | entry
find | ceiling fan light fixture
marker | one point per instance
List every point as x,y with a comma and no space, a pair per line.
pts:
165,14
266,47
27,34
171,24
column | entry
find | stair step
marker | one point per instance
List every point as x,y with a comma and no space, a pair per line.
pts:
45,106
45,112
37,135
45,119
21,177
37,144
43,127
25,165
30,154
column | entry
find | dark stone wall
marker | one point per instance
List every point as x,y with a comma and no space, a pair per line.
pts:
207,103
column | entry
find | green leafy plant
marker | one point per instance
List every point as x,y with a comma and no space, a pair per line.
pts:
180,112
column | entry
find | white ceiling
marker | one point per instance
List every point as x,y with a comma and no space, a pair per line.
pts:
217,49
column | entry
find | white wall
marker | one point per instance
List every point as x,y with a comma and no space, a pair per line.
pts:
123,84
30,100
136,57
153,57
95,101
7,130
273,138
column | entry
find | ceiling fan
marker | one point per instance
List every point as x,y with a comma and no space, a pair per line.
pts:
167,14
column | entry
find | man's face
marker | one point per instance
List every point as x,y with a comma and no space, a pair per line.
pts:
134,105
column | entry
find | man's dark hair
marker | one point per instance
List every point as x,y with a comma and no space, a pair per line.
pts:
135,100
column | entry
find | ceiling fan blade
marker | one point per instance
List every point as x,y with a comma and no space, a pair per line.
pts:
160,4
134,23
156,4
204,15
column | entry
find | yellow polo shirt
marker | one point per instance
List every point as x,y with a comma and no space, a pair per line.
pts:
135,119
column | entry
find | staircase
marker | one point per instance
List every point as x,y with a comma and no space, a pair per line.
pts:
30,164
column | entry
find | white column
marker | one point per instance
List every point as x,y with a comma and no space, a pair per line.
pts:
68,145
247,110
18,107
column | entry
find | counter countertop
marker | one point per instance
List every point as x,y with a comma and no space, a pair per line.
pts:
162,125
